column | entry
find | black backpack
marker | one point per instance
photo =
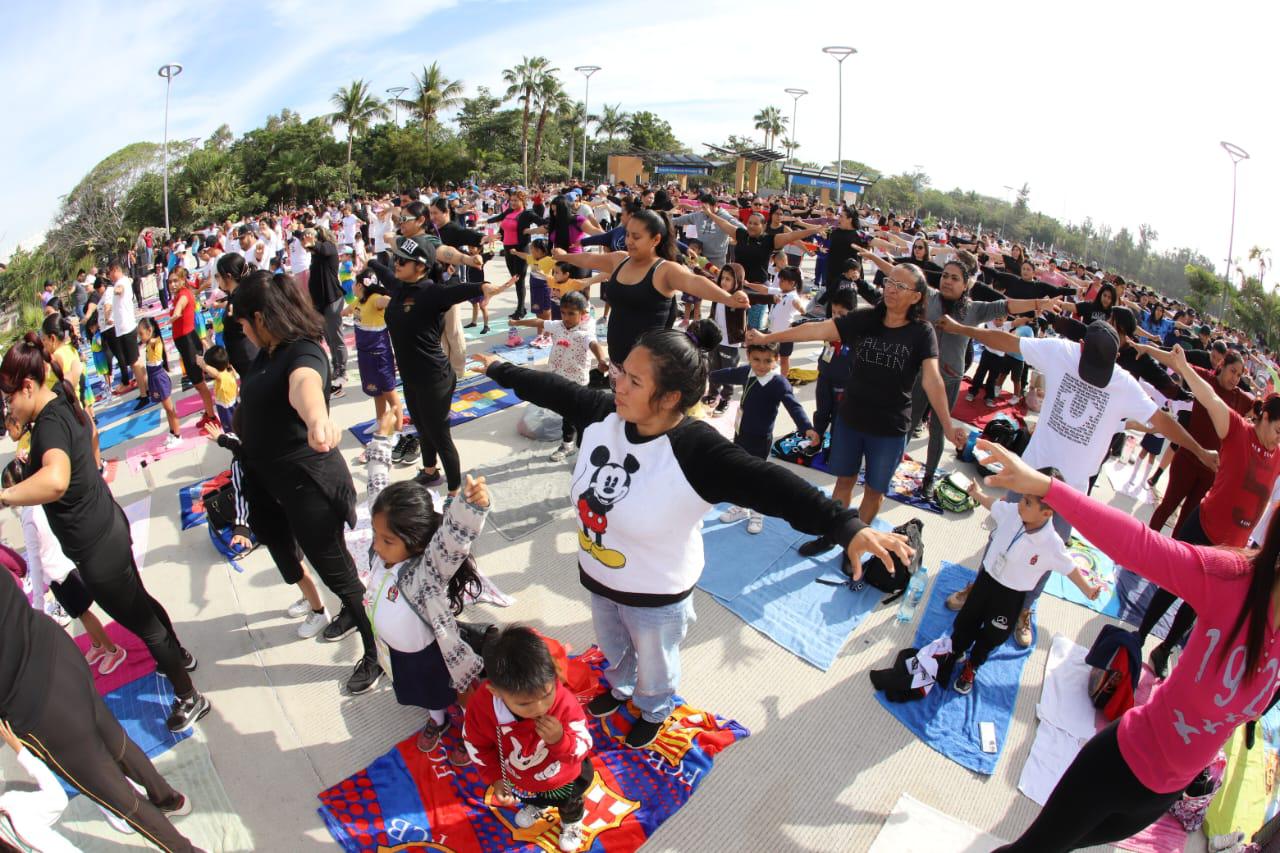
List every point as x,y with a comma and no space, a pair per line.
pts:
220,506
1004,431
877,574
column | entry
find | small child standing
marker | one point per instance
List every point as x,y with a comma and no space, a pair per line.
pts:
786,305
540,265
833,366
764,389
347,275
159,387
528,736
226,392
1021,549
573,344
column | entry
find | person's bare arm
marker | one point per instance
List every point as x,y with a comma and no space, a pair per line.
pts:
823,331
44,486
780,240
995,339
606,262
1217,408
885,266
673,277
936,391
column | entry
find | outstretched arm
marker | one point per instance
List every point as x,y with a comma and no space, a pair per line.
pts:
992,338
823,331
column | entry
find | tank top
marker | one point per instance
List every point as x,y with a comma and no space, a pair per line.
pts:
635,309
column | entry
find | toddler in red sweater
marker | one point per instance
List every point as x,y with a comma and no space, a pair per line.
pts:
527,735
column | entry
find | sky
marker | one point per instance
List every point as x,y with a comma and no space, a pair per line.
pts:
1111,110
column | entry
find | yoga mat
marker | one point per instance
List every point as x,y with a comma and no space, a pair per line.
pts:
1248,796
523,354
474,398
913,827
125,423
191,503
153,450
137,663
903,486
978,414
497,326
403,797
1096,566
528,492
113,467
946,721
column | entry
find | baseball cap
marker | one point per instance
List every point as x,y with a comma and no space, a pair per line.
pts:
1204,330
417,249
344,249
1098,353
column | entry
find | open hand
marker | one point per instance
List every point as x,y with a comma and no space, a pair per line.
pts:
755,336
213,429
240,543
476,492
1093,592
1014,474
502,794
947,324
484,359
880,544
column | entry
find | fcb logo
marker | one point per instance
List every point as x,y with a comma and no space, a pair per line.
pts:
605,809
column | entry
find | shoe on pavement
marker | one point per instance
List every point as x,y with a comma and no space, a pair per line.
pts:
529,815
397,452
412,450
643,733
956,600
313,624
428,479
182,809
339,627
571,836
364,677
604,704
111,661
734,513
189,662
55,611
429,737
336,391
1022,634
142,403
172,441
1159,661
298,609
721,407
484,330
562,452
814,547
964,681
187,711
1225,841
755,523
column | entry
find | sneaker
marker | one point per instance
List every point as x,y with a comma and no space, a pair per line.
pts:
187,711
968,397
339,627
1015,400
412,450
643,733
364,676
925,489
734,513
397,452
470,325
484,330
992,402
571,836
604,704
205,420
1225,841
298,609
1022,634
755,523
94,653
529,815
142,403
814,547
956,600
189,662
458,755
721,407
186,384
513,335
562,452
111,661
182,808
172,441
429,737
55,612
964,681
336,391
1159,661
313,624
429,479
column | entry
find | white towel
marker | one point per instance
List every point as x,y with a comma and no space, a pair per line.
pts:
1067,720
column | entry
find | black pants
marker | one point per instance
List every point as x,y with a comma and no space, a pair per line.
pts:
291,516
79,739
987,618
332,315
1097,801
111,352
112,577
990,368
567,800
429,404
516,266
827,398
1190,531
719,358
937,433
568,433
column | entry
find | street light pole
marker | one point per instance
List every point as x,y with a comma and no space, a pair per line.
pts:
841,54
796,95
1236,153
586,71
395,92
168,72
1004,224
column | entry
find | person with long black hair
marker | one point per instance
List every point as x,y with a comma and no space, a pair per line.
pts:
328,301
89,525
229,272
187,342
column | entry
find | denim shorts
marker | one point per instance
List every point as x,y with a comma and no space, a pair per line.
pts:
849,447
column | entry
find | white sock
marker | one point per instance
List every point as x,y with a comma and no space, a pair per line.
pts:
437,717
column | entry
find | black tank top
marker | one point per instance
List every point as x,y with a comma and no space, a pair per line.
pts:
634,310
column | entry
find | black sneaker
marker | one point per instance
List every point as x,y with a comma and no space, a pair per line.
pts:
187,711
925,489
339,627
485,329
1159,661
365,676
429,479
189,662
814,547
412,450
397,452
471,325
142,403
186,385
336,391
643,733
604,704
722,406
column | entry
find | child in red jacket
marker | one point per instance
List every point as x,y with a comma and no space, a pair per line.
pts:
528,735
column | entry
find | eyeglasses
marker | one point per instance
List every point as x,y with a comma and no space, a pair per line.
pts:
897,285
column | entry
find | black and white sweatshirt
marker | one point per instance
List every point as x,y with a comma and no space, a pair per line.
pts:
640,501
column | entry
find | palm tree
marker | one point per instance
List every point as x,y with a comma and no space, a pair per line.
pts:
433,92
1261,257
573,116
356,109
522,81
773,123
549,95
290,171
612,121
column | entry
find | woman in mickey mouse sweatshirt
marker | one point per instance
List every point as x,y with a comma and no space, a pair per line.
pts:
645,476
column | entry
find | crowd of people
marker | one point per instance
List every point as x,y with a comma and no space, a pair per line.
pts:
700,294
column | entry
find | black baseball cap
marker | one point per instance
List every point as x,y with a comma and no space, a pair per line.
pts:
421,249
1098,353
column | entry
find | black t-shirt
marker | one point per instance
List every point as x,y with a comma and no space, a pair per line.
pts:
455,235
753,253
271,428
415,320
636,308
27,657
840,243
884,365
1090,311
323,283
85,512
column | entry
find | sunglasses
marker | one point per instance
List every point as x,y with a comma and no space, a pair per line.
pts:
400,260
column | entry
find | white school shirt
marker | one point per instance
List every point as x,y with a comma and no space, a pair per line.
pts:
781,314
45,560
394,621
349,228
1018,557
299,257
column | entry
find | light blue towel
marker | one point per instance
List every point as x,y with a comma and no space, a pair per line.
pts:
1096,566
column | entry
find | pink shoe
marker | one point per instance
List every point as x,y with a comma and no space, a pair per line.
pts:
110,662
94,653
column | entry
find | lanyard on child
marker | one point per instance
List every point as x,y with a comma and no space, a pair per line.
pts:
1014,540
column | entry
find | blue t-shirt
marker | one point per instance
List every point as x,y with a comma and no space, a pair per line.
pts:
1022,332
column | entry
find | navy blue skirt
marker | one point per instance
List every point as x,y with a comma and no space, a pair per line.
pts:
422,679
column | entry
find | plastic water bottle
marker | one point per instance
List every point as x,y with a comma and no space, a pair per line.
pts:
911,597
148,476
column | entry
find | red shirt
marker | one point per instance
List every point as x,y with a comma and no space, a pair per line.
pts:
1246,473
1201,425
184,323
499,741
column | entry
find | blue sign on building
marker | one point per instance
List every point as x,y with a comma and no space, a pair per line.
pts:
825,183
681,170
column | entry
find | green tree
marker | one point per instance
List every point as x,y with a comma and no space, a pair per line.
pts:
523,81
548,96
1205,287
433,93
647,131
572,117
356,109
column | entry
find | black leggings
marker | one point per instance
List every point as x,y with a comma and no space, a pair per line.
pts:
111,350
429,405
112,577
1097,801
1190,531
516,266
291,516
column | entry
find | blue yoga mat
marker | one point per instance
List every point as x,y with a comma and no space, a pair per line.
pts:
946,721
145,422
764,581
523,354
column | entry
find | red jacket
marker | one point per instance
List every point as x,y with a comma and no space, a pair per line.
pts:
531,765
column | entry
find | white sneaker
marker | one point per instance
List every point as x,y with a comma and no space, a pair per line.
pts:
1225,841
313,624
298,609
117,822
171,441
528,816
571,836
755,524
55,612
562,452
734,513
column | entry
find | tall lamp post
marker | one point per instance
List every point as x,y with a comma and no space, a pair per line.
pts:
796,95
1005,223
396,92
586,71
168,72
841,54
1236,153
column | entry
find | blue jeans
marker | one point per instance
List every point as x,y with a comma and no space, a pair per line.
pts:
643,648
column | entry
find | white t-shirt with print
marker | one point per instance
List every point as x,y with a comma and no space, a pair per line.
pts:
571,349
1018,557
781,314
1077,419
349,223
123,312
392,617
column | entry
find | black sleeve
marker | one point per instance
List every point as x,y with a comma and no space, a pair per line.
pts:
604,238
240,527
1068,327
581,405
386,277
468,237
497,218
1150,371
720,471
445,296
868,293
230,441
980,292
1199,358
325,249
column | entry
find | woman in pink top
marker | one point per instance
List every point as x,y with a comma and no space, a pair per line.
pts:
1133,770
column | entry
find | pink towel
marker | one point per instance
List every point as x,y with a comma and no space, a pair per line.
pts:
153,450
137,663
